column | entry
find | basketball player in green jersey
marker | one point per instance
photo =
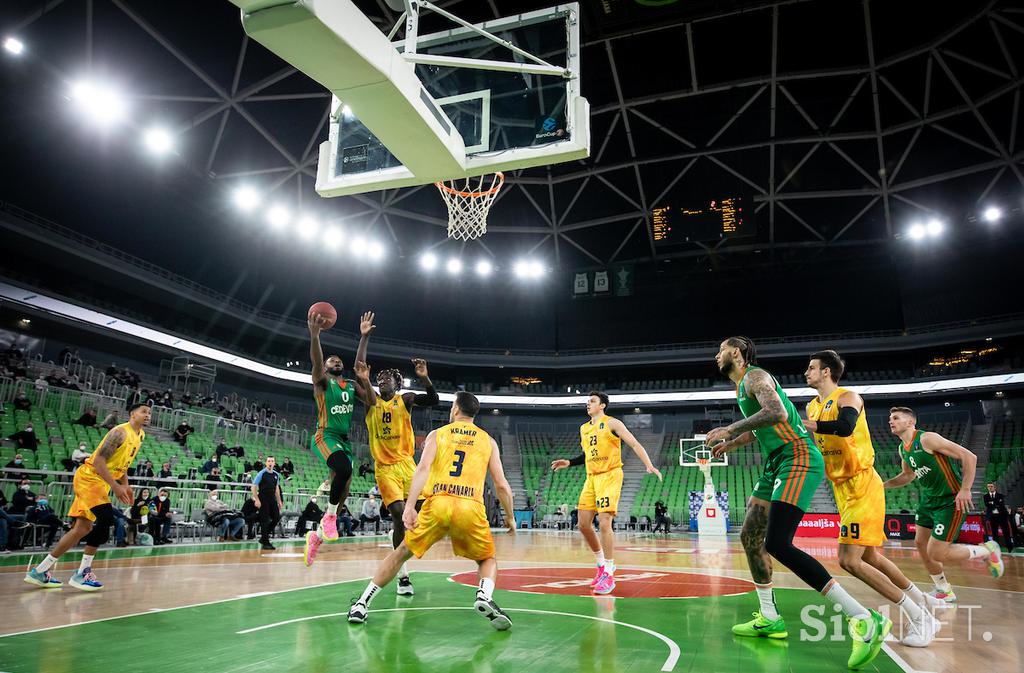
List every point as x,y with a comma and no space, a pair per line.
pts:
335,399
793,468
945,499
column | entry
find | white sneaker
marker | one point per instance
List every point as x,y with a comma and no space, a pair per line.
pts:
405,586
921,631
995,559
357,613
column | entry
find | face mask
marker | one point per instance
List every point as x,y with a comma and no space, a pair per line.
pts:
42,502
28,429
162,498
17,461
82,447
24,487
213,497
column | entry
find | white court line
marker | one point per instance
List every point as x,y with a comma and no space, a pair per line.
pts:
900,661
670,662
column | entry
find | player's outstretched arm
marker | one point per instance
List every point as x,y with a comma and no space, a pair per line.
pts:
428,399
419,479
501,487
365,327
722,448
936,443
903,478
364,389
620,429
316,353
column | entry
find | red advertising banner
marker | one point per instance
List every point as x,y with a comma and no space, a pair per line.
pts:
818,525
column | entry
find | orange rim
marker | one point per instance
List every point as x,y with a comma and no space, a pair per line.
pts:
473,195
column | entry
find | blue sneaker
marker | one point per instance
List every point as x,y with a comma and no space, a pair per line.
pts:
85,581
44,580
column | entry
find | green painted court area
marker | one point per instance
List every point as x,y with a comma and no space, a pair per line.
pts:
437,630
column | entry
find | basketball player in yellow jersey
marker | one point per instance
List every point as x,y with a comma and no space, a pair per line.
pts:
105,470
456,459
838,421
392,442
601,440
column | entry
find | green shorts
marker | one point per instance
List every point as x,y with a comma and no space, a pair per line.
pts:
791,474
324,444
942,518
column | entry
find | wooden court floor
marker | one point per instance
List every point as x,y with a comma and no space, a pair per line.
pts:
230,607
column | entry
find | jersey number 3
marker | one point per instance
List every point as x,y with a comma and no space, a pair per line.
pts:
460,456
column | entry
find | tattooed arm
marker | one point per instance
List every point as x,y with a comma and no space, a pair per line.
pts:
760,385
110,443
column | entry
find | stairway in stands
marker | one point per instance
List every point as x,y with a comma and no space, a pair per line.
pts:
512,461
980,442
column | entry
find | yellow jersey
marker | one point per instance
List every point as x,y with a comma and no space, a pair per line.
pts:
390,428
845,457
601,447
124,454
460,464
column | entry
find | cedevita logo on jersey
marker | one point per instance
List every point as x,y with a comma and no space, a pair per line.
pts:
921,471
342,409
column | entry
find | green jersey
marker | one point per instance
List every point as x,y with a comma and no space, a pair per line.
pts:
790,431
937,476
334,407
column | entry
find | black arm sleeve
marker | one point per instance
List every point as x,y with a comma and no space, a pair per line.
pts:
578,460
841,427
427,399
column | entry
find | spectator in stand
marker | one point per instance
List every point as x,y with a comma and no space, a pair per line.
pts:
88,418
160,518
41,384
78,456
182,432
311,514
43,515
370,514
17,463
112,369
22,403
346,520
266,493
26,439
252,517
109,421
10,527
145,470
210,463
213,480
121,525
661,517
220,516
165,474
287,469
23,498
139,514
222,448
365,468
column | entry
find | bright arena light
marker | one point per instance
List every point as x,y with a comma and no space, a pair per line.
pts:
14,46
332,238
375,250
454,266
158,140
484,268
535,269
934,227
346,110
278,217
307,227
246,198
521,268
358,245
992,214
428,261
103,104
916,231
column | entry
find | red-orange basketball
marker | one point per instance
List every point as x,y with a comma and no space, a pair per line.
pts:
324,309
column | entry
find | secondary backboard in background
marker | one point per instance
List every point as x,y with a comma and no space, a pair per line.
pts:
471,100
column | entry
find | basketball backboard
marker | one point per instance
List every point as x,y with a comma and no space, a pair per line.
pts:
470,100
693,452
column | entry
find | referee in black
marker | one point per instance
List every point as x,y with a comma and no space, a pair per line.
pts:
266,494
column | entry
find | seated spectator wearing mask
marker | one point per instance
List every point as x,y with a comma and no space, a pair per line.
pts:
22,403
370,514
214,479
88,418
23,498
139,514
311,515
43,515
165,474
26,439
78,456
182,432
160,518
17,463
223,518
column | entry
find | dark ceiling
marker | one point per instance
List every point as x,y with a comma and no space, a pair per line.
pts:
843,120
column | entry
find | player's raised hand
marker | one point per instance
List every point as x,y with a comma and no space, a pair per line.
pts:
654,470
362,370
316,323
420,367
409,518
366,323
559,464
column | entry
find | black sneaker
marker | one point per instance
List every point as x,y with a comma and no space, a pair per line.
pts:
488,608
405,586
266,546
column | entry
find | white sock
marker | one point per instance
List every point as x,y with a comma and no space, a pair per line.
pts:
46,564
368,594
86,563
486,588
404,571
609,566
600,558
908,605
940,582
849,604
333,509
766,596
978,551
916,595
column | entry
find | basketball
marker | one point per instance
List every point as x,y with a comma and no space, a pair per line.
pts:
326,310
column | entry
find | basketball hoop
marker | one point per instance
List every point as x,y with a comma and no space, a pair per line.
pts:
469,203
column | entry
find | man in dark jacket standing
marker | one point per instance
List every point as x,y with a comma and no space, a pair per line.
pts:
998,516
266,494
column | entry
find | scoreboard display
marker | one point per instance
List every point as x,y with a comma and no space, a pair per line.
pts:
729,217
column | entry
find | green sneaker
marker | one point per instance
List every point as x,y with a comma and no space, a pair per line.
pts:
866,649
759,627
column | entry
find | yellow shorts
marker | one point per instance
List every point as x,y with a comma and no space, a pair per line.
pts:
394,480
462,519
861,502
601,492
89,492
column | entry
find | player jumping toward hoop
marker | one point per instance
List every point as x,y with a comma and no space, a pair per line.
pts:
945,499
335,399
601,440
793,468
839,423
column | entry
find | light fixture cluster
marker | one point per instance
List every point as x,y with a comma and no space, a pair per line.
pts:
454,266
935,227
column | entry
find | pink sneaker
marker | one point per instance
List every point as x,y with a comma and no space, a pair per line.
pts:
330,526
597,577
605,585
313,543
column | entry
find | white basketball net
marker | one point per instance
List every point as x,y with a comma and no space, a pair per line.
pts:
469,200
